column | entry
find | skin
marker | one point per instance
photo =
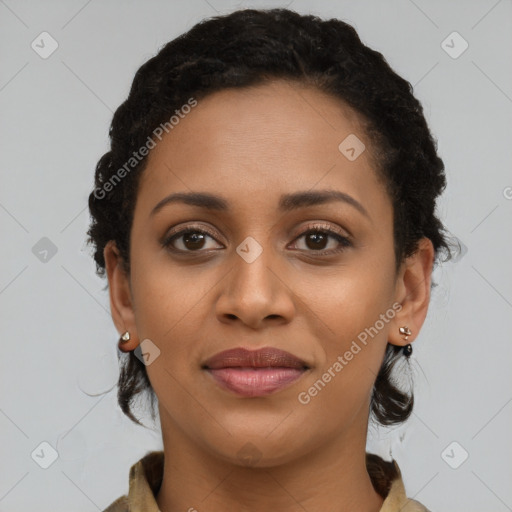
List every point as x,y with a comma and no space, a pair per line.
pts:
250,146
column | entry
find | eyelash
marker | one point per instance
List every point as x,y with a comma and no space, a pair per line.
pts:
344,241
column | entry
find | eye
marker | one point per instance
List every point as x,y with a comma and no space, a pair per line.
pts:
191,239
316,238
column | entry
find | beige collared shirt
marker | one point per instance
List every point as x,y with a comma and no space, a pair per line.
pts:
146,477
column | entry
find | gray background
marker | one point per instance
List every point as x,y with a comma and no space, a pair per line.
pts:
58,368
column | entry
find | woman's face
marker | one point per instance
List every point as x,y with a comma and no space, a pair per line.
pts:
249,276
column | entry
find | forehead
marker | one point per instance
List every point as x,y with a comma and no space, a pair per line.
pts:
274,137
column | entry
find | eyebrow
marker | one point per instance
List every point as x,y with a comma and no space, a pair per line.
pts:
287,202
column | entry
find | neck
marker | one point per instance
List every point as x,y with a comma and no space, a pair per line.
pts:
331,477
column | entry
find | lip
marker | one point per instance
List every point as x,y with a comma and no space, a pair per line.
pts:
262,358
253,373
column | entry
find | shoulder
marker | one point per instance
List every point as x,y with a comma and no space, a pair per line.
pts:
387,481
145,477
397,500
119,505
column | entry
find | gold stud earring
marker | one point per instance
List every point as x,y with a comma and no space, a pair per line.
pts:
405,331
125,337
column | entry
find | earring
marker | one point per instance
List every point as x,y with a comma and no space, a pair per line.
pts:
125,337
407,350
406,332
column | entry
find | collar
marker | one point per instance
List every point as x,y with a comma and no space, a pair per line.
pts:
146,478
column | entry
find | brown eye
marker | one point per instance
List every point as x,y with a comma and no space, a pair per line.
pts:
188,240
317,240
193,240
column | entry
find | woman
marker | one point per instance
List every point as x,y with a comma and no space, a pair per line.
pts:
266,220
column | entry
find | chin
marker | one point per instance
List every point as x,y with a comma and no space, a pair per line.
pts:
251,446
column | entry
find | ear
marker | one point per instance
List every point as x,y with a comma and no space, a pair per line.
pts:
121,305
413,293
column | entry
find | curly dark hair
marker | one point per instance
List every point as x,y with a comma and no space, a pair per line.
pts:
250,47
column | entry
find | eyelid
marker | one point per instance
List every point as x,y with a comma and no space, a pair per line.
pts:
322,226
190,227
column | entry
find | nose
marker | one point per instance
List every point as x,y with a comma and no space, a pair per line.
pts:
256,293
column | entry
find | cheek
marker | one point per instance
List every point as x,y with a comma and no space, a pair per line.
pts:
165,296
340,387
171,309
167,309
357,311
355,299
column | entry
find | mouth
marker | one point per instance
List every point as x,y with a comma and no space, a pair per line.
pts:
253,373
